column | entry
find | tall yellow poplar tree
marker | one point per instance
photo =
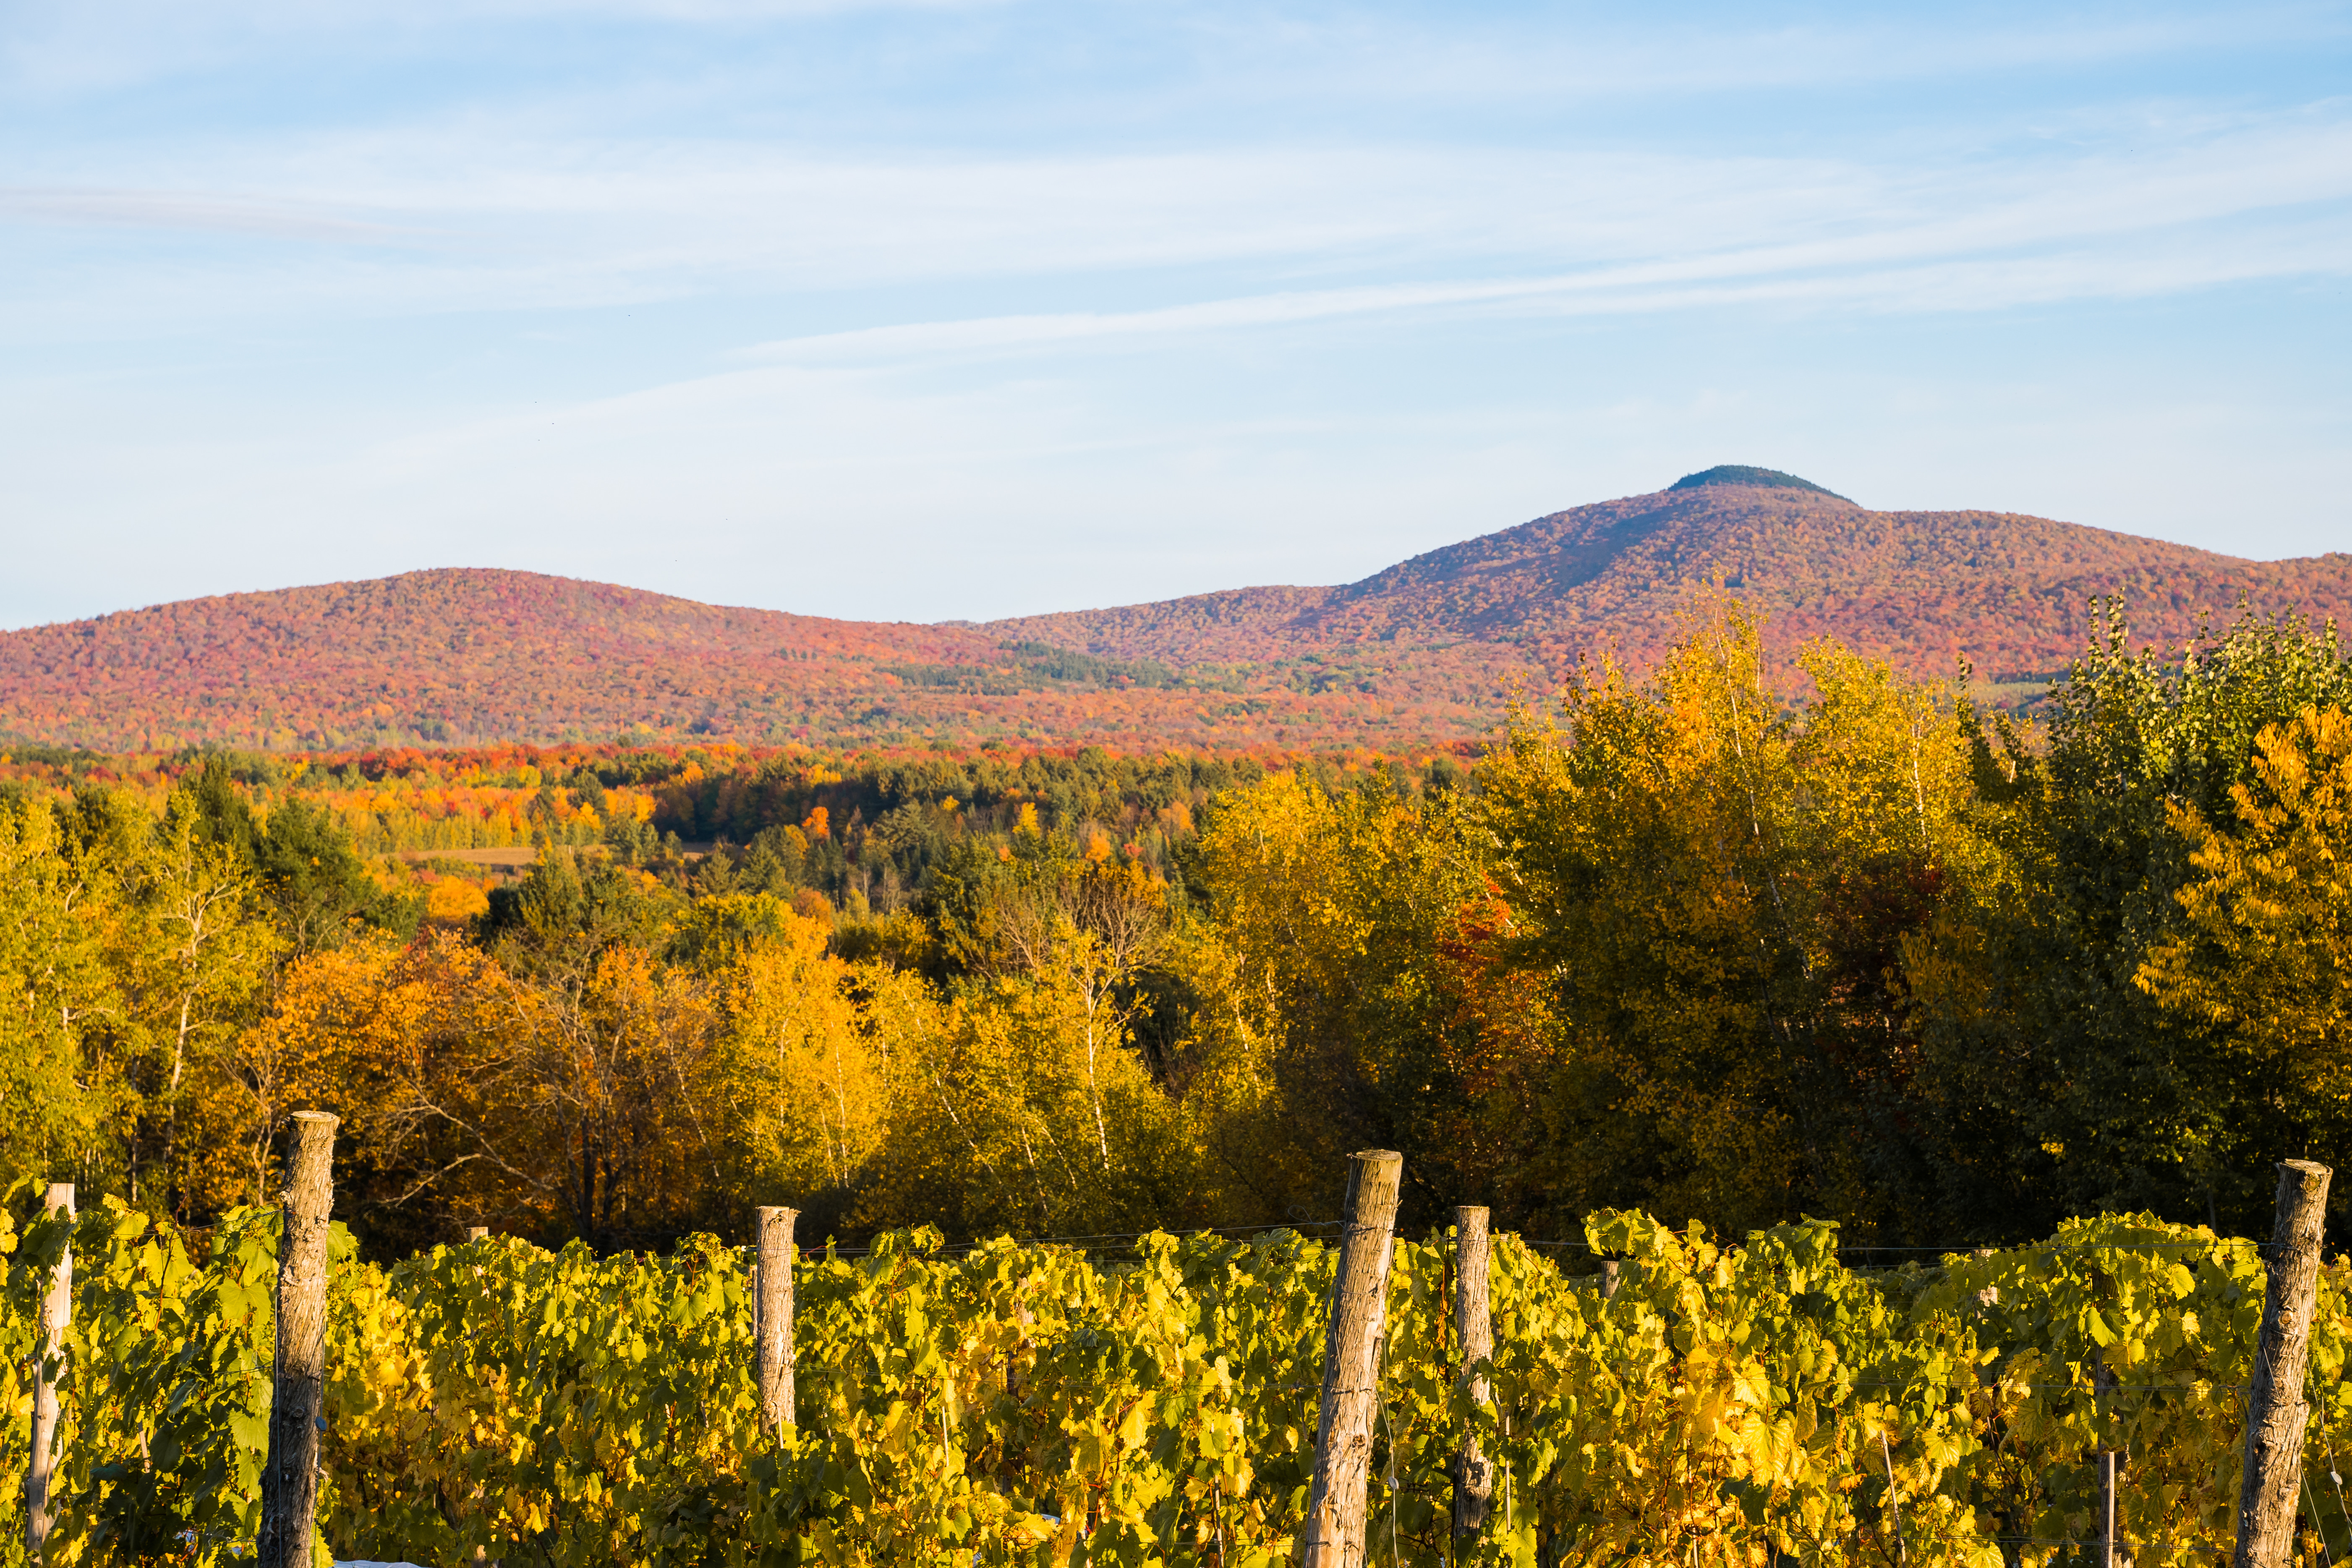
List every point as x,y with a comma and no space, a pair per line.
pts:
806,1075
2267,952
68,1096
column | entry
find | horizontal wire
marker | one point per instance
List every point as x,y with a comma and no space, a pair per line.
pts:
1972,1251
964,1248
2080,1388
1969,1252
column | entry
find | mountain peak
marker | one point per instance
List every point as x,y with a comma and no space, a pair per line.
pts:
1747,474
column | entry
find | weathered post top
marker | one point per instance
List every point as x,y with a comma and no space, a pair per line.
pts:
2274,1408
772,1314
289,1478
56,1317
1334,1536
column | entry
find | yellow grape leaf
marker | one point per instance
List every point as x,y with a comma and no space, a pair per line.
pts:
1033,1528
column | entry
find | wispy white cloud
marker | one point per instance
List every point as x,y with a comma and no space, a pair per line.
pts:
2259,205
200,211
433,223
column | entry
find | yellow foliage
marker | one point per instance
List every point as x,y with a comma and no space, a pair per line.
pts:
1348,993
2267,955
399,1040
1721,890
454,899
65,1093
808,1077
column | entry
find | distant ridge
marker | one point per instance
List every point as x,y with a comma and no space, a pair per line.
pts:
1414,655
2011,594
1744,474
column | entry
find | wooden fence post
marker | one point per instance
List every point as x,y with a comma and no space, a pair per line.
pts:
49,1350
2275,1409
289,1482
1473,1473
772,1315
2103,1546
1334,1536
1609,1278
2102,1555
475,1233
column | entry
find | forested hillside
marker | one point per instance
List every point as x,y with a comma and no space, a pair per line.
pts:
470,657
1414,655
1923,590
1697,944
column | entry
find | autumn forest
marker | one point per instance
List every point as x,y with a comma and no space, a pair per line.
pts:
1745,939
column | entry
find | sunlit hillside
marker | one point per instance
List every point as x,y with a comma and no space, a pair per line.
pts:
2011,594
1417,654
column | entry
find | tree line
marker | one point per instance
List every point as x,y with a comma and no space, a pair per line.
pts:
1726,943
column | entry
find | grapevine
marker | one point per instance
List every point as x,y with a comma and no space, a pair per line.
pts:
1027,1403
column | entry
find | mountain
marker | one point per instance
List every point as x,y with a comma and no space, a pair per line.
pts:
477,656
1921,588
1412,656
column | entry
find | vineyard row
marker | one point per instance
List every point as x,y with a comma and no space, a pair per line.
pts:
1447,1399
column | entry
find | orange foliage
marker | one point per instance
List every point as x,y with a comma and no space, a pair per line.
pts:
454,899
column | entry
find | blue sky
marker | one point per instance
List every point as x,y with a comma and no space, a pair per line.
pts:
918,312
